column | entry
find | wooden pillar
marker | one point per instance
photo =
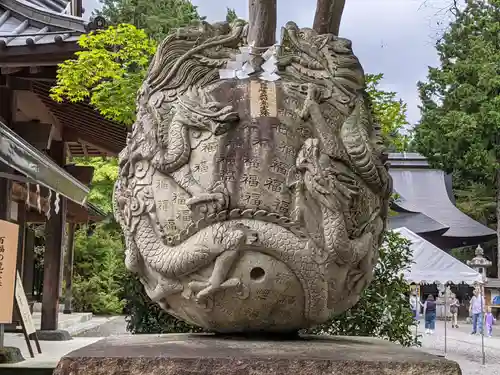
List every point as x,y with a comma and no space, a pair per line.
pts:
54,235
68,269
328,16
5,199
5,185
29,263
262,22
21,221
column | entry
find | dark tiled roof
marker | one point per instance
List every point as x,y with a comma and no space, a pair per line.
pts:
35,22
418,222
427,191
59,6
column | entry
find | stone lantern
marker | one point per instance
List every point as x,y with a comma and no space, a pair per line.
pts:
479,263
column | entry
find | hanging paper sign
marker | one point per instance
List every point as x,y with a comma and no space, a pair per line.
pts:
24,308
9,236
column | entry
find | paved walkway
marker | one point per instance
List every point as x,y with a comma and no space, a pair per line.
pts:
465,348
461,346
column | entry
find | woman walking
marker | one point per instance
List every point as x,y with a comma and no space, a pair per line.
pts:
430,314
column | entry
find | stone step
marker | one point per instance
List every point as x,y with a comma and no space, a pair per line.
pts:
37,307
65,321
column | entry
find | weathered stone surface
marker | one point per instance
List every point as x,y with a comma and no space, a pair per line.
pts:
179,354
10,354
53,335
249,204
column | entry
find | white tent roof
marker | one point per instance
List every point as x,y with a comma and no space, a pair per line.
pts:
433,265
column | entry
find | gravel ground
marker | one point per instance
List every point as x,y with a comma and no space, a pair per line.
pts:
462,347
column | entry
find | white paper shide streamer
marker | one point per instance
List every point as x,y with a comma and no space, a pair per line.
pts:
38,199
49,198
57,203
241,68
27,202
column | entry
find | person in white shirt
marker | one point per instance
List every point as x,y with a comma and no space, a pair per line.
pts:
414,305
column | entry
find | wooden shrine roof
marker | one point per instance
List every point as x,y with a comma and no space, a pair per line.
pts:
37,22
94,135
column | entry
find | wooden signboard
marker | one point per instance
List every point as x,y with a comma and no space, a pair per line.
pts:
24,315
9,236
24,308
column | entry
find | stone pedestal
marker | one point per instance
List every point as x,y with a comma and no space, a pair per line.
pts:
183,354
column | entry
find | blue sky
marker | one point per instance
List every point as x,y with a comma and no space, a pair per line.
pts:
393,37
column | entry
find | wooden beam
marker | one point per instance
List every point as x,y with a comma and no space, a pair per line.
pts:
262,22
11,70
33,132
54,234
42,55
328,16
84,174
18,84
19,194
89,139
68,153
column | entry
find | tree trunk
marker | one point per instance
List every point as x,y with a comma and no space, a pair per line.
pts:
328,16
498,221
262,22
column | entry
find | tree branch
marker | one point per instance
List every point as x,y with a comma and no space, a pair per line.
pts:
328,16
262,22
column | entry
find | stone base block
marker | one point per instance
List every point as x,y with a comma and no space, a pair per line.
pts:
10,354
205,354
56,335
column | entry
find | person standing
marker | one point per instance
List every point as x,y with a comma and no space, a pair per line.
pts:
490,319
430,314
476,309
414,305
454,305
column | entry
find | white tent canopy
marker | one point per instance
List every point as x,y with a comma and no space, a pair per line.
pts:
433,265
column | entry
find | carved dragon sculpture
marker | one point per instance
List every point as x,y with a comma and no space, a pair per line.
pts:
339,165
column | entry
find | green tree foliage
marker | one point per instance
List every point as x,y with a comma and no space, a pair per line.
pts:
459,129
383,310
156,17
108,71
99,270
231,15
389,112
105,175
460,125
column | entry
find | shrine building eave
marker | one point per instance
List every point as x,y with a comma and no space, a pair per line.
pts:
38,167
427,191
27,26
